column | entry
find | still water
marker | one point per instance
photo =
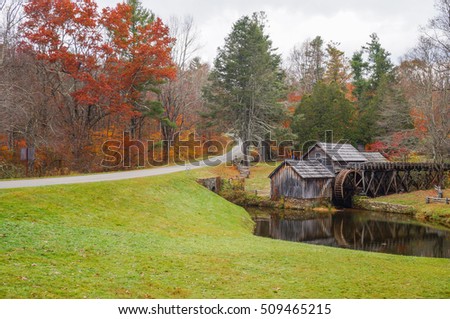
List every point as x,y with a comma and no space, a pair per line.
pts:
376,232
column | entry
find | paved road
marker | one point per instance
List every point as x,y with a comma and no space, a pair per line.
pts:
236,151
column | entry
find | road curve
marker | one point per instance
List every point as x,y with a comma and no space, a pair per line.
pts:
116,176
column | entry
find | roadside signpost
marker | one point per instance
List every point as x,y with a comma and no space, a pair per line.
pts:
27,154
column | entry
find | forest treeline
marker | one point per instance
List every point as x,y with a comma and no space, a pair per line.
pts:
73,75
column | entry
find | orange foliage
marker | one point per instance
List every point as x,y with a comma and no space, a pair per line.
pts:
98,50
105,59
349,92
294,97
395,148
420,120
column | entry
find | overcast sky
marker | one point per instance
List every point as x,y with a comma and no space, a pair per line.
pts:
349,22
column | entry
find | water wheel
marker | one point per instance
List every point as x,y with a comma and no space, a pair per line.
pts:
345,186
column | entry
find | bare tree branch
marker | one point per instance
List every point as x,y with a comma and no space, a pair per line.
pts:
186,45
182,97
306,64
426,81
2,4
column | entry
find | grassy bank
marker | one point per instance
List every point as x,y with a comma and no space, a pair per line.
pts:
258,180
438,213
168,237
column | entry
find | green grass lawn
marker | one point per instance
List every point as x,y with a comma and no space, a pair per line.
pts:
168,237
434,212
259,178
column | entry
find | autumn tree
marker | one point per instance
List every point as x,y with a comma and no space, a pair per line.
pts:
337,66
247,81
426,77
18,79
95,65
426,80
306,65
144,101
181,96
27,113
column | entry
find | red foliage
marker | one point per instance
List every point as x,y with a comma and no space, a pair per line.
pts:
395,148
349,92
420,121
377,146
294,97
98,50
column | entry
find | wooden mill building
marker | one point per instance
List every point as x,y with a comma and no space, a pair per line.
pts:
334,156
314,175
301,180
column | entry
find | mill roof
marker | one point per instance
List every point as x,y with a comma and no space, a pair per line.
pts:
374,157
342,152
306,169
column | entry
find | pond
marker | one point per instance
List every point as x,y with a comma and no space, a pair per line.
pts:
352,229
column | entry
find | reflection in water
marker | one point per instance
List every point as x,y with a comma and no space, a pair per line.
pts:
358,230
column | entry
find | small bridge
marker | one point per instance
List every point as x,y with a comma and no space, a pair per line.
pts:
380,179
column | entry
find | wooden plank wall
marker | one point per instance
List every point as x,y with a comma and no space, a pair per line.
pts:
289,184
